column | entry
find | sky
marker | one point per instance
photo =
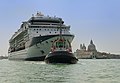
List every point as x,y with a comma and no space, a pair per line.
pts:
98,20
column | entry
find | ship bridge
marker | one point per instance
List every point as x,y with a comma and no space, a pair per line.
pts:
40,18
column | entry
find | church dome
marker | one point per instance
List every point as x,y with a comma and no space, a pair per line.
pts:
91,46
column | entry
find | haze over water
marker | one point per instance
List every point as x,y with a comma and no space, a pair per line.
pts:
85,71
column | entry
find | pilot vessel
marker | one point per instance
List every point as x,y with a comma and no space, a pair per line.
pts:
34,38
61,51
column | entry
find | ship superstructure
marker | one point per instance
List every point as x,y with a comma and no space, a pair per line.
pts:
34,39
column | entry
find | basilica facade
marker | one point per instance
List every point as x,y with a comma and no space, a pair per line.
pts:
89,52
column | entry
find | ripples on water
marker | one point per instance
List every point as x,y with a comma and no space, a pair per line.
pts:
85,71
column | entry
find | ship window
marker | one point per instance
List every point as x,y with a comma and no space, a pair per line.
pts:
49,32
48,29
34,29
45,29
60,44
42,52
54,29
55,32
37,32
51,29
39,29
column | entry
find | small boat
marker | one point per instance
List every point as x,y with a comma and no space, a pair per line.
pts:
61,53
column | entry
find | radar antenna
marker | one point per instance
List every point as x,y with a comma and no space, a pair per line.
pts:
39,14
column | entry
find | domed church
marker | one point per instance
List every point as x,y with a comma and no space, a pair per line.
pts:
91,46
92,53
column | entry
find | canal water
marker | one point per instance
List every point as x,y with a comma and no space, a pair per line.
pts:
85,71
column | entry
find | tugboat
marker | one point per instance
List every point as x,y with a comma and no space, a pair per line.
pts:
61,51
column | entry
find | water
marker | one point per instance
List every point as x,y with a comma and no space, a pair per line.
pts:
85,71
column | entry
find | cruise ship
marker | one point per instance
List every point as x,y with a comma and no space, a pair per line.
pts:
34,38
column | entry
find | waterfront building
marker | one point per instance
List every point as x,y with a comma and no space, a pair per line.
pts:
90,52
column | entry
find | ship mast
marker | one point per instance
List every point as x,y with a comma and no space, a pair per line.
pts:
60,28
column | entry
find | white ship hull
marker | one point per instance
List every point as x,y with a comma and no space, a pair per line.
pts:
34,39
37,50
